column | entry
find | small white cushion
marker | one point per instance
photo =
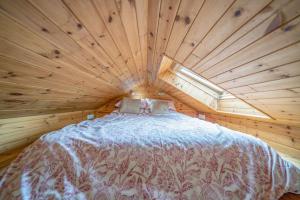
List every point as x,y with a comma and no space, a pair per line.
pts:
170,103
130,106
159,107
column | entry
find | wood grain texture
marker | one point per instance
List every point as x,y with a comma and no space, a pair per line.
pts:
17,133
82,50
70,55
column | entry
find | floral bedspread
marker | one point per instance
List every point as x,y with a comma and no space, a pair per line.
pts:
126,156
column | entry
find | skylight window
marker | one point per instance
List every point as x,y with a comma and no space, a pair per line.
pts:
201,80
204,91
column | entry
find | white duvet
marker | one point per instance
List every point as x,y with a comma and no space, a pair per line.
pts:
126,156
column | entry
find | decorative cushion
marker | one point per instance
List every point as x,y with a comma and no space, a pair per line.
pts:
131,106
159,107
170,103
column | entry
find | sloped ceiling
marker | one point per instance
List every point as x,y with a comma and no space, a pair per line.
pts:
65,55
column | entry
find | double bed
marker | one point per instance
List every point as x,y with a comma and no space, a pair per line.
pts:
144,156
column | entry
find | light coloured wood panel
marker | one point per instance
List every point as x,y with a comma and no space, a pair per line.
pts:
17,133
128,14
239,13
101,35
112,21
184,19
283,56
27,15
271,17
277,73
65,20
142,19
153,18
278,136
215,10
280,38
25,46
168,9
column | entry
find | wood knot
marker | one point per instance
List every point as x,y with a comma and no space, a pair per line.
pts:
151,34
69,32
288,28
192,44
45,30
110,19
237,13
56,51
177,18
284,76
101,36
79,26
58,67
187,20
170,7
15,94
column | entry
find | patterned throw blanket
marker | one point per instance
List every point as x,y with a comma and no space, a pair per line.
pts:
126,156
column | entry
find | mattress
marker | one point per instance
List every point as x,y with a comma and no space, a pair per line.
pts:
129,156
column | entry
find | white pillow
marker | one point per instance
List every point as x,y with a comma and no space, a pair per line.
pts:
130,106
170,103
159,107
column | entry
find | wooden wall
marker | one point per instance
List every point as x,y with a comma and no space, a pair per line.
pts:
284,138
17,133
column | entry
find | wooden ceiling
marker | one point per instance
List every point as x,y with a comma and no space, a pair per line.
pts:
67,55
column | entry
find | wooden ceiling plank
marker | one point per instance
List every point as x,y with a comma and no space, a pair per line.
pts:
153,20
284,56
212,8
108,11
293,82
281,72
13,51
166,19
184,19
276,40
33,19
141,7
7,105
20,92
4,114
29,40
285,93
100,34
128,15
20,73
279,101
59,14
257,27
237,15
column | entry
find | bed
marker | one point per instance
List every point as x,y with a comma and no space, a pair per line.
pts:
143,156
